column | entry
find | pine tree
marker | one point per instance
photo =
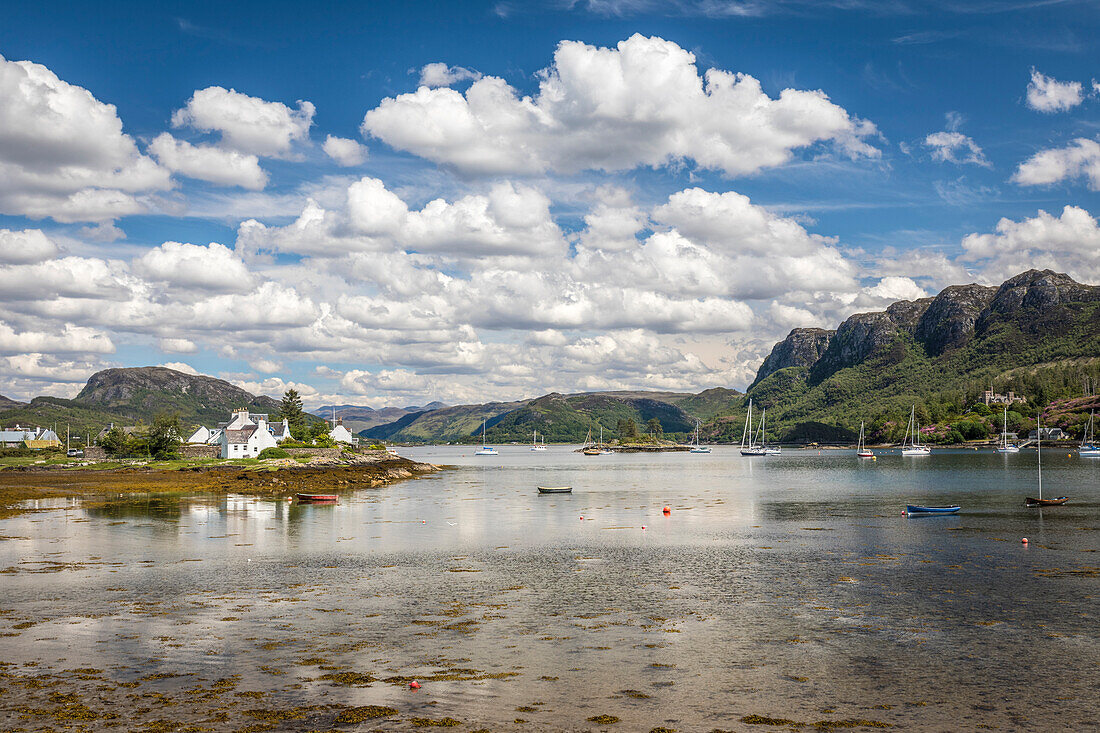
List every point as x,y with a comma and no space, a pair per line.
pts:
291,411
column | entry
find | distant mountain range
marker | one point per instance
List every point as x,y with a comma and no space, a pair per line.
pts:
1037,334
559,418
360,417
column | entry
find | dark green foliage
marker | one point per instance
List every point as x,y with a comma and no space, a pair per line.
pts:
653,427
113,442
627,429
290,409
164,437
273,453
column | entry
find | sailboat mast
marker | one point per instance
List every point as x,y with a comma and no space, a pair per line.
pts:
1039,449
748,423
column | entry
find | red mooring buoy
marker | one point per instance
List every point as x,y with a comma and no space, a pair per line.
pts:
667,510
414,685
1024,540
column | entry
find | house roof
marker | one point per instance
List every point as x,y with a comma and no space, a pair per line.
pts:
12,436
240,436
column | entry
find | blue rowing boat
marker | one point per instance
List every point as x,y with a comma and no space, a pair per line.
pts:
913,509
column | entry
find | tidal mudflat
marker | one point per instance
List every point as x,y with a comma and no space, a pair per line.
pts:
777,594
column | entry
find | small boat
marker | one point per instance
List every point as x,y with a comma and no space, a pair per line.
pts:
318,498
917,509
911,445
1005,446
390,450
485,450
1032,502
1046,502
555,489
861,446
604,450
696,447
589,448
535,444
1088,447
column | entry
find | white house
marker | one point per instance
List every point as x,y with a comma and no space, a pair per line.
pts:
340,434
245,435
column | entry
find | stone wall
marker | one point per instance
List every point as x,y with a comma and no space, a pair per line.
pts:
330,453
95,453
200,451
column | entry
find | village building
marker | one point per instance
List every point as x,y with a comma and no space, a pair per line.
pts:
990,398
340,434
36,438
244,436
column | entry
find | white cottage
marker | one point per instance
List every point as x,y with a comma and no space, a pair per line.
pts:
340,434
245,435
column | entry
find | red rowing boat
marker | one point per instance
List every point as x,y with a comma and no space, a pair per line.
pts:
318,498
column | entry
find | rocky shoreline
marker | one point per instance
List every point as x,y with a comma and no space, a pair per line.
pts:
278,478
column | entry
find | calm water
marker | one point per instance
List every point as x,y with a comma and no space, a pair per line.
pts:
790,587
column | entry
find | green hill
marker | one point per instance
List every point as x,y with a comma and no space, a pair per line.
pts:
558,417
1038,335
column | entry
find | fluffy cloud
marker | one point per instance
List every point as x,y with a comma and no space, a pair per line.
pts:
25,247
345,152
441,75
954,147
70,340
1046,94
63,153
209,163
1069,243
642,103
1079,158
214,267
177,346
180,366
246,124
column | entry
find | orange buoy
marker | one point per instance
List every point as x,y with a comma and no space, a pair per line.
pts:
643,526
414,685
667,510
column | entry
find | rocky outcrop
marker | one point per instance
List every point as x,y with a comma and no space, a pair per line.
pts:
950,319
802,348
144,391
855,340
907,313
1035,289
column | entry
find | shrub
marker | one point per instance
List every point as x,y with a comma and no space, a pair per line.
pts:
273,453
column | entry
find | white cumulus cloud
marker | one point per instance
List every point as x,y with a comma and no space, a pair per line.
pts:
1068,243
953,147
1080,158
25,247
1047,94
63,153
345,152
641,103
209,163
246,124
441,75
214,267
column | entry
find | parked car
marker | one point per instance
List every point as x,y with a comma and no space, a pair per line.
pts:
74,453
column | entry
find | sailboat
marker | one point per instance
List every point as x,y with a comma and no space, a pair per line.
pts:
485,450
695,445
1039,449
589,448
1089,447
767,451
861,446
749,449
1005,446
604,450
535,444
911,446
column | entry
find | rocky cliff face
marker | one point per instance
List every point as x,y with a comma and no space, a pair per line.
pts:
950,318
7,403
802,348
948,321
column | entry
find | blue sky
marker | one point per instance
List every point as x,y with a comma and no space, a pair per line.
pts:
565,200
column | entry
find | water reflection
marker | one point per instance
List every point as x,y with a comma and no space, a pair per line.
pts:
786,585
